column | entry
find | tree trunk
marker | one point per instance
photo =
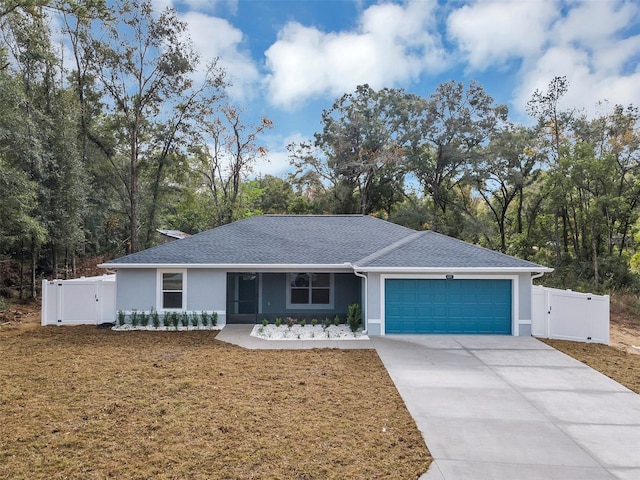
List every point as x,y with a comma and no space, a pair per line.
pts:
519,213
34,253
595,259
54,260
21,287
557,239
133,193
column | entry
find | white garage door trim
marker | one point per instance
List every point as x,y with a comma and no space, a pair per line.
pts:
515,297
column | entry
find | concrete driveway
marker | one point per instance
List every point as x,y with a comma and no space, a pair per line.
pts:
509,408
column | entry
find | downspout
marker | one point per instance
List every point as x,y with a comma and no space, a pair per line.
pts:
366,302
537,275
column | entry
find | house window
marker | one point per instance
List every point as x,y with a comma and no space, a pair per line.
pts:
172,290
310,290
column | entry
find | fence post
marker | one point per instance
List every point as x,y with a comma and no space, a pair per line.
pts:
43,307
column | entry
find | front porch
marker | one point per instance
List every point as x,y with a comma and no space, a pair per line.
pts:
255,296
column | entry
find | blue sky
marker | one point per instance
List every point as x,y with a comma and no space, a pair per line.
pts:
289,60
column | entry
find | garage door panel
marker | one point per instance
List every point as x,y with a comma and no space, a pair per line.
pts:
448,306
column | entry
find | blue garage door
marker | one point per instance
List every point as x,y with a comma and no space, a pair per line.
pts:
448,306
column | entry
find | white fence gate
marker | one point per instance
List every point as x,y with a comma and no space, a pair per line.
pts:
568,315
81,301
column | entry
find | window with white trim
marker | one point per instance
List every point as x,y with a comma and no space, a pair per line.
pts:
172,295
307,290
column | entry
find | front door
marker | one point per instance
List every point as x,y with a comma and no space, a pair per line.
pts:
242,297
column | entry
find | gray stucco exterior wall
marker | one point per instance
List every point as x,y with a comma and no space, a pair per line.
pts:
136,289
206,290
373,313
524,283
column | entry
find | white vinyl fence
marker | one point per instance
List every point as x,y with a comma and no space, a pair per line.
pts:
568,315
81,301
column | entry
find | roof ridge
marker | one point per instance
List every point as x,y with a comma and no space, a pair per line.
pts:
327,215
389,248
486,249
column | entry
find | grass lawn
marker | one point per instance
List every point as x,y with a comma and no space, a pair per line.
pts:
86,403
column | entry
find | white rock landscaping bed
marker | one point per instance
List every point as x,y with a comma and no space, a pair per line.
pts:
308,332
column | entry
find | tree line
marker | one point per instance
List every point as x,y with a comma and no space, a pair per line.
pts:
109,130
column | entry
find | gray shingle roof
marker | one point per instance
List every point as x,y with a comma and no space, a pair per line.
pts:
433,250
367,242
278,239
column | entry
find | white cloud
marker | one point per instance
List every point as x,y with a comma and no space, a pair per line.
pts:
589,45
592,24
215,37
393,44
587,85
491,32
208,6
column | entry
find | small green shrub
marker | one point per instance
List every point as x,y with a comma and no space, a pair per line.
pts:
184,319
291,322
144,319
326,324
336,320
194,319
278,321
166,320
204,316
303,322
354,316
121,317
265,322
175,319
155,318
134,318
314,322
214,318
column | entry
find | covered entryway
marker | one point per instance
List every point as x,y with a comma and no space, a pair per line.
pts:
456,306
242,297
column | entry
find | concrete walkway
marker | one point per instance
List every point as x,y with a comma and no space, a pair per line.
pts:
501,408
508,408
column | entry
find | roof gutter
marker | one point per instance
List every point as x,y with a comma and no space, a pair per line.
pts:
535,269
246,267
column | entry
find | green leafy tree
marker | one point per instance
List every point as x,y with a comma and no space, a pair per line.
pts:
509,164
448,131
145,71
553,126
359,151
229,150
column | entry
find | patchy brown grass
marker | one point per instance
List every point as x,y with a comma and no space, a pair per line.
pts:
87,403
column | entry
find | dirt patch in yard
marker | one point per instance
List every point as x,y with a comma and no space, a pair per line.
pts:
88,403
625,322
